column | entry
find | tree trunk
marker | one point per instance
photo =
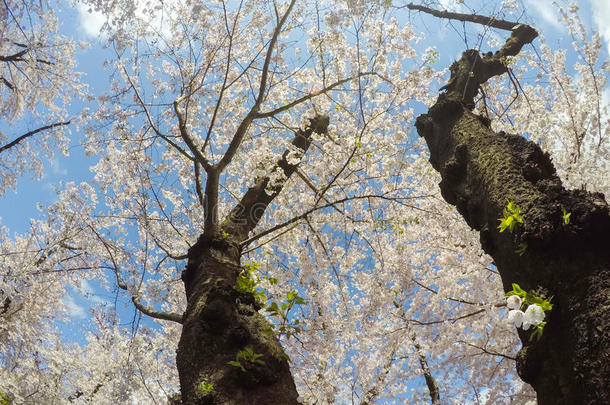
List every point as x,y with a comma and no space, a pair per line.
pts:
480,171
219,322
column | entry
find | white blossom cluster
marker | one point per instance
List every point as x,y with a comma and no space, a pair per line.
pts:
532,316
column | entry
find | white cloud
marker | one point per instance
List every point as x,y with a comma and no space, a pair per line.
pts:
89,293
90,22
74,310
546,10
57,168
601,16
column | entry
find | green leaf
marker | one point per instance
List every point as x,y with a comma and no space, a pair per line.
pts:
511,216
537,333
207,388
566,216
273,307
236,364
516,291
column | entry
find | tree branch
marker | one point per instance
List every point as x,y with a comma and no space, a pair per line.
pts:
472,70
433,389
16,57
484,350
310,211
309,96
372,394
166,316
246,214
198,185
226,74
28,134
7,83
475,18
151,123
187,137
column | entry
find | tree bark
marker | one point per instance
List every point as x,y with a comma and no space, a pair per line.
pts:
480,171
218,323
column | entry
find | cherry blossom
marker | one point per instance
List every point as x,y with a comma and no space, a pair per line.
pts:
534,315
513,302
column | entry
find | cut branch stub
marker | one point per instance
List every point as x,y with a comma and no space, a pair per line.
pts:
472,70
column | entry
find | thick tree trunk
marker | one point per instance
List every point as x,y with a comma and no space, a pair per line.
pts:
480,171
220,322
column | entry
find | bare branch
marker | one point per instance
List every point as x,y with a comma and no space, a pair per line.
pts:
224,86
309,96
28,134
475,18
265,71
453,319
7,83
187,137
16,57
310,211
151,123
166,316
486,351
425,287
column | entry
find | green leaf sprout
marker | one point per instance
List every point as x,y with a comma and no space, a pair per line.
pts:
207,388
512,215
248,357
566,216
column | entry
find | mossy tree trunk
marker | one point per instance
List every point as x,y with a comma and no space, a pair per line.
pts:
481,170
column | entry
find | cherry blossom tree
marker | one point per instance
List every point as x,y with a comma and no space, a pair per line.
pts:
37,80
261,193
